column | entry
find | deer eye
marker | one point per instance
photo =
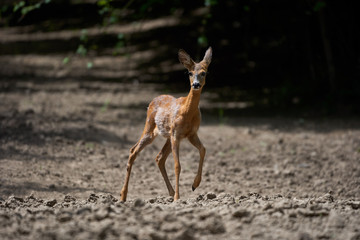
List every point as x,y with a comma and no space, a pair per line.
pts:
203,74
191,74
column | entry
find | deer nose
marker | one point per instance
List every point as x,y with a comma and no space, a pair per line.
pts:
196,85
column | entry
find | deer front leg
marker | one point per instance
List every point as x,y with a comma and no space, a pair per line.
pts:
194,140
175,150
160,160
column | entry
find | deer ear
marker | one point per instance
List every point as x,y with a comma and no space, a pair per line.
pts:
208,56
186,60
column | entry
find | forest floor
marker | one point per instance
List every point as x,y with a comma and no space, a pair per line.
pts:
63,153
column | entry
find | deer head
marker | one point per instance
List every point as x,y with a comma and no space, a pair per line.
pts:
197,71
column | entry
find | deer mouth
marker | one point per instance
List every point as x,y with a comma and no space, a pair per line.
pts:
196,85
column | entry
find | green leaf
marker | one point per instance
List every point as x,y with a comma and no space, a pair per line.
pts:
25,10
89,65
89,145
18,6
113,19
81,50
209,3
84,36
105,106
318,6
28,9
102,3
66,60
104,10
202,41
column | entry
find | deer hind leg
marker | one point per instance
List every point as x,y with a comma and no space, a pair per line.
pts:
160,160
146,138
194,140
175,143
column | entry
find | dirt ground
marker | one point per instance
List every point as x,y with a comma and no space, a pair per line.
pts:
63,154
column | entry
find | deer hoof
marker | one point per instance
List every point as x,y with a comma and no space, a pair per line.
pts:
193,188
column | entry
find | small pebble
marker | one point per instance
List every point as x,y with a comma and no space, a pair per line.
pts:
210,196
139,202
51,203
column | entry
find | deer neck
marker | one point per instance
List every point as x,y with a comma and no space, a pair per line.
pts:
192,101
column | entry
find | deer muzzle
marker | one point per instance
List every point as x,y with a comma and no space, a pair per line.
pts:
196,85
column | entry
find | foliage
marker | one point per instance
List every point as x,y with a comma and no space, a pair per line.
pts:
25,9
267,44
203,40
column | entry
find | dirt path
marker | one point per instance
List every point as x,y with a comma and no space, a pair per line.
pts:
64,148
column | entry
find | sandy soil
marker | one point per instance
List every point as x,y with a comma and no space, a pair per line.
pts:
63,154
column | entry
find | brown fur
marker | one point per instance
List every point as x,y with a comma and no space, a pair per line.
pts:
174,119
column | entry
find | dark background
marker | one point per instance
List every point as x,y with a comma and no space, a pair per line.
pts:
284,55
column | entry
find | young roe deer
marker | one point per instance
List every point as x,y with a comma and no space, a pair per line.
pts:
174,119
